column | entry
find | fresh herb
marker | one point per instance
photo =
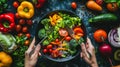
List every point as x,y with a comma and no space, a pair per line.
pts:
18,56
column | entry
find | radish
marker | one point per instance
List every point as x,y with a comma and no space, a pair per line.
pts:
105,50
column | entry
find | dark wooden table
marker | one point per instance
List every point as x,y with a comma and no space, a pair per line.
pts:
84,14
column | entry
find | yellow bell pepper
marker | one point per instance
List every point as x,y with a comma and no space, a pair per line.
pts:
25,10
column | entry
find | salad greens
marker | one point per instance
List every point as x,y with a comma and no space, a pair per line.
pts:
52,31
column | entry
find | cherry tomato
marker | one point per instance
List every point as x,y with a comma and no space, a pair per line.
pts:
20,34
45,50
25,29
27,42
29,22
57,40
18,28
28,35
112,7
49,46
50,50
68,38
100,2
74,5
55,53
17,15
63,32
15,4
21,21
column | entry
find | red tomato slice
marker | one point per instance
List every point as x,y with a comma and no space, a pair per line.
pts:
63,32
68,38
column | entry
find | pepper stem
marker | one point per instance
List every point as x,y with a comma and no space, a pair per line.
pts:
6,24
26,9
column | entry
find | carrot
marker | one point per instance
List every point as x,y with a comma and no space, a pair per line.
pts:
93,6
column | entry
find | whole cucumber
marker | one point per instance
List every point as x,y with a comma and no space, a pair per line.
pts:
104,18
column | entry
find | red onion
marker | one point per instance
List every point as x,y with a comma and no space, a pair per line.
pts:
105,50
114,37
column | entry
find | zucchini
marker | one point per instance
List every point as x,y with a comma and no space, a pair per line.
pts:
104,18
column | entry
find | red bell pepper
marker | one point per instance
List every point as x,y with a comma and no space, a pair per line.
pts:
7,22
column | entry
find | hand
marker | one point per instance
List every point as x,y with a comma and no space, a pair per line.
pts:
31,55
88,53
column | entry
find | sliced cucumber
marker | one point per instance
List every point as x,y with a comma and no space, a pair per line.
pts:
117,55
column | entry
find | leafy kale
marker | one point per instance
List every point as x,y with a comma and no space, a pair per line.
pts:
73,44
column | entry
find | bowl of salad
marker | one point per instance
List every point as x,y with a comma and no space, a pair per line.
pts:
60,34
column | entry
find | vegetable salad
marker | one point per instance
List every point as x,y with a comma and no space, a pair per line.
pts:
60,43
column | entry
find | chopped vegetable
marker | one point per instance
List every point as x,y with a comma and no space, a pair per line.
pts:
63,32
117,55
73,44
41,33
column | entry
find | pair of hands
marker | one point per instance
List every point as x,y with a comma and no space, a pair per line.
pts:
88,54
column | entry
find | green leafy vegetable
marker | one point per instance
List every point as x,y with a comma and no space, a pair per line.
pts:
19,55
73,44
45,42
7,42
41,33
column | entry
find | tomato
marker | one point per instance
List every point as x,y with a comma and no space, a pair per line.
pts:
55,53
74,5
56,40
45,50
29,22
25,29
20,34
112,7
63,32
21,21
17,15
18,28
78,30
28,35
15,4
99,34
27,42
50,50
68,38
100,2
49,46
